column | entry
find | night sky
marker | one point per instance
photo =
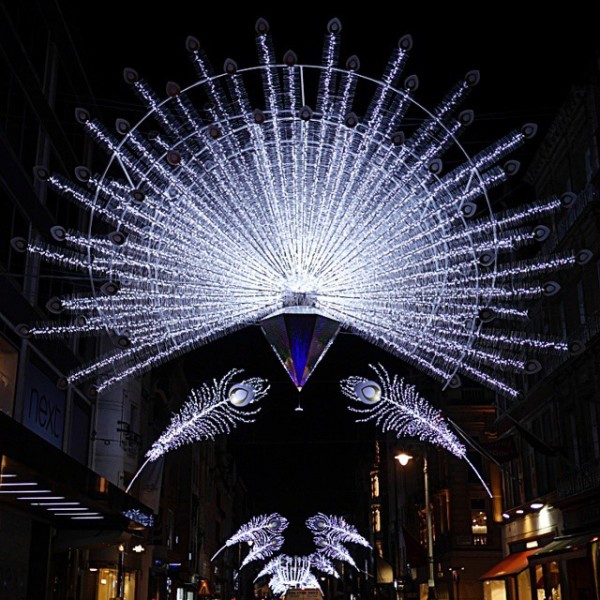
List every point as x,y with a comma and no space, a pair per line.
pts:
302,462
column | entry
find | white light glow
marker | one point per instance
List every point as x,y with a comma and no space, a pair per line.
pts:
331,533
225,215
17,484
32,492
403,458
36,503
75,514
55,503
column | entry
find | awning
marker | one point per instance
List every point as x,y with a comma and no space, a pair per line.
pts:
513,564
35,472
569,546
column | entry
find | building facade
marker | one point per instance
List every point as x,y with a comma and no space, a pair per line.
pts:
66,455
466,522
552,483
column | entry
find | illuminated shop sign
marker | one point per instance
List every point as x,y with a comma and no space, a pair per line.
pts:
44,407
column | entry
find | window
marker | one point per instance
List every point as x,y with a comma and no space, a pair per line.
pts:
574,439
593,409
374,484
376,518
106,584
545,463
581,302
563,316
479,527
589,164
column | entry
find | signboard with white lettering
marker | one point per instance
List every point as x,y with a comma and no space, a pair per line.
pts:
44,409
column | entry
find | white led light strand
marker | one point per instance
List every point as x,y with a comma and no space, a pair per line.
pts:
225,214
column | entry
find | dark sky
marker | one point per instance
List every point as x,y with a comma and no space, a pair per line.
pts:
294,462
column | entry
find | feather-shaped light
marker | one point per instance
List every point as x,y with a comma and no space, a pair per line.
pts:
262,534
396,406
330,533
335,528
322,563
210,410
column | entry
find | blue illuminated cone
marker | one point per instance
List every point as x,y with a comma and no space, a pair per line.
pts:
300,337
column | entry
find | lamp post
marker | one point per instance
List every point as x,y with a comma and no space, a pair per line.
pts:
403,458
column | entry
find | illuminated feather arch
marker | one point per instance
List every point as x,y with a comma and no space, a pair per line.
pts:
222,216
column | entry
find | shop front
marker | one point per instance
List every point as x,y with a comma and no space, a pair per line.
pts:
67,524
567,567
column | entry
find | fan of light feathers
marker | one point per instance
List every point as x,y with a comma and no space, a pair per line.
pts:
223,207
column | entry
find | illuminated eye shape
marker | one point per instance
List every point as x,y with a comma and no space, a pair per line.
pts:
368,392
241,394
320,524
275,524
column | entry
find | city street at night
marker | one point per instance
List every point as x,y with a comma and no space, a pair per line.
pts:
299,303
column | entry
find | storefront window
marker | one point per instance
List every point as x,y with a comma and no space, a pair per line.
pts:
494,590
553,576
524,584
479,527
8,376
539,579
107,585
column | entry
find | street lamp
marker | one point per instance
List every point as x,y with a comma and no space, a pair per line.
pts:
403,458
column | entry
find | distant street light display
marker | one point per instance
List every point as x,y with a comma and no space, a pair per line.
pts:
330,535
223,207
